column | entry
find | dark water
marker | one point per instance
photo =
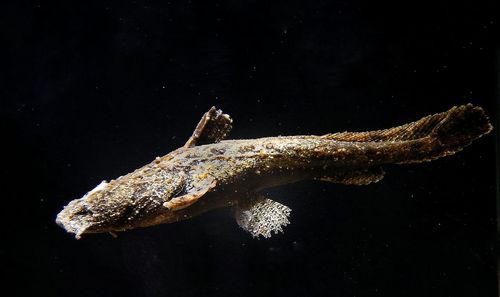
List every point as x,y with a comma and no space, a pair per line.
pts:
96,89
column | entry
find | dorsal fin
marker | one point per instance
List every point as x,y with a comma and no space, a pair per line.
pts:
213,127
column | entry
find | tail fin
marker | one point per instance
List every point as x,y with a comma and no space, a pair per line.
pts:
450,131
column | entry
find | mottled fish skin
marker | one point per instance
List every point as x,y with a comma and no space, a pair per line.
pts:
198,177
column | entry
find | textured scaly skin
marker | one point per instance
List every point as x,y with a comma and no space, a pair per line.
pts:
236,169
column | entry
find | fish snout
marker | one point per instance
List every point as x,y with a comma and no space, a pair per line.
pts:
76,217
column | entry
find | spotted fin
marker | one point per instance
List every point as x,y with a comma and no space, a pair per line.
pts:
213,127
262,216
360,177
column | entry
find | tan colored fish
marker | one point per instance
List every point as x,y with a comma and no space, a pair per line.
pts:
209,172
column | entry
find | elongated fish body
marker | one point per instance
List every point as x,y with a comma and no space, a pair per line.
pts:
209,172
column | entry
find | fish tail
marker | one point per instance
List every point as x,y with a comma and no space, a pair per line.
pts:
431,137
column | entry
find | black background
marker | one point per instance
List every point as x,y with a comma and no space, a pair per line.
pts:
92,90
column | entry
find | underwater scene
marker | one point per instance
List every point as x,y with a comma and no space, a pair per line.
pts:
250,148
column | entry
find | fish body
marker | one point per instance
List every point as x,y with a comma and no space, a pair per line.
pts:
209,172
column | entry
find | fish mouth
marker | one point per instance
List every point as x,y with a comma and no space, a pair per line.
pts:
75,218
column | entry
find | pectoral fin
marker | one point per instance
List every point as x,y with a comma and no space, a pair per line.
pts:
359,177
188,199
262,216
213,127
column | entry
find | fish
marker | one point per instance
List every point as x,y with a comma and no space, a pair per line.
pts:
211,172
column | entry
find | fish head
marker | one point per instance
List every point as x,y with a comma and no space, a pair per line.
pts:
115,206
98,211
